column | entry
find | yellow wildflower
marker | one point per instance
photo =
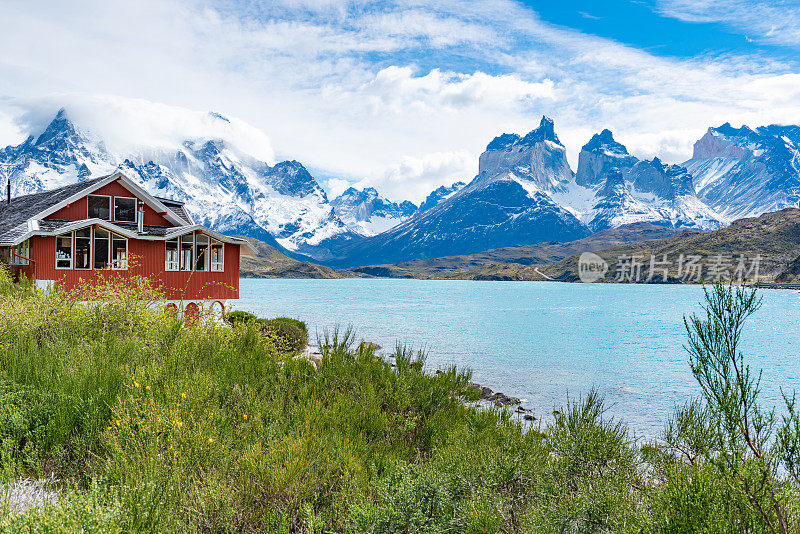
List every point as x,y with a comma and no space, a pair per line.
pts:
211,440
183,395
147,388
245,417
135,383
117,422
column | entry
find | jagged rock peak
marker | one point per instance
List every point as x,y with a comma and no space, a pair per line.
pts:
604,141
292,178
545,132
503,141
439,194
615,183
60,126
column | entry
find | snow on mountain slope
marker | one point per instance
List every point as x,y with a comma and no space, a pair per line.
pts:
507,203
539,156
742,172
367,213
612,188
439,194
223,185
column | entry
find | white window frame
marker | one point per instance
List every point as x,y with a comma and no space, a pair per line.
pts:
221,263
94,250
75,249
135,209
206,253
71,251
172,266
23,249
110,207
112,258
180,255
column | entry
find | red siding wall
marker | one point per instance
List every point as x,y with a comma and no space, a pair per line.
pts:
78,210
146,258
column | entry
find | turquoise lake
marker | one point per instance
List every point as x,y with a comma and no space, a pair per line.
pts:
544,341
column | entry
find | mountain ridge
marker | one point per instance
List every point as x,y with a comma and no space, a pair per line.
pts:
525,191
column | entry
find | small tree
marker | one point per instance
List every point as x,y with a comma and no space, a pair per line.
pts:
738,435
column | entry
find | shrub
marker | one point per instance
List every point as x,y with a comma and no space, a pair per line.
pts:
152,427
240,317
289,335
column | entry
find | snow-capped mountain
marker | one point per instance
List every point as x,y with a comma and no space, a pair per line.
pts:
367,213
539,157
613,188
601,154
507,203
742,172
224,186
440,193
526,193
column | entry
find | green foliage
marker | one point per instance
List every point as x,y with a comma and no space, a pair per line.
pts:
24,417
728,432
240,317
148,426
290,335
94,510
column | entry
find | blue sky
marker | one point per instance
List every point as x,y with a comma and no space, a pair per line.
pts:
404,95
647,26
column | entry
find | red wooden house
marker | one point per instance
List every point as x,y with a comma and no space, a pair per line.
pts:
110,227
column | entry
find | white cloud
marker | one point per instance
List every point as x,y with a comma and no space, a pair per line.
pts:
335,187
125,123
774,21
414,177
397,89
400,95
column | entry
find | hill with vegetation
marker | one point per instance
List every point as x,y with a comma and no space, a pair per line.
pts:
269,262
772,237
118,418
539,253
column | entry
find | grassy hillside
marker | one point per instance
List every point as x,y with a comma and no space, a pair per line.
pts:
134,423
774,236
269,262
466,266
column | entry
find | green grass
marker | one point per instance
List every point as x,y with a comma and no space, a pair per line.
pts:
152,427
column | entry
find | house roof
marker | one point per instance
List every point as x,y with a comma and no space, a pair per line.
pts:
177,208
14,216
25,215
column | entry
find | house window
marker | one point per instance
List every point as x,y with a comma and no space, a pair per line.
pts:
99,207
102,239
201,247
217,257
83,249
119,252
171,257
64,251
124,209
187,247
20,254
